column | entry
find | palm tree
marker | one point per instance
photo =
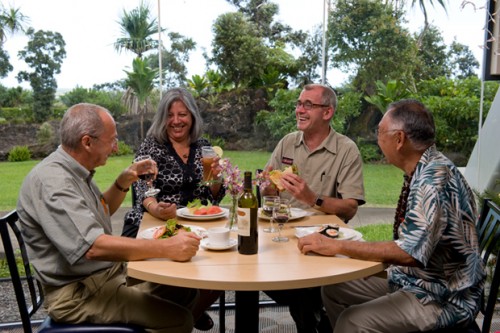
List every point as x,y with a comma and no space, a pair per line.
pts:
140,83
137,27
11,21
422,4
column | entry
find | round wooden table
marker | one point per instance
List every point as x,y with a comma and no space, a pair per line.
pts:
275,266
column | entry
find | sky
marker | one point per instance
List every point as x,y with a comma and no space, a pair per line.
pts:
89,28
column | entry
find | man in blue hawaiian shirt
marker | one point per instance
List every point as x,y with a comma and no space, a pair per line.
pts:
435,273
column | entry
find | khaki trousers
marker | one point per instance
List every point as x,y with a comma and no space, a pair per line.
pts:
105,297
366,305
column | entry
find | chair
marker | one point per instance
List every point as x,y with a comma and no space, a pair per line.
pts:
33,289
489,235
488,229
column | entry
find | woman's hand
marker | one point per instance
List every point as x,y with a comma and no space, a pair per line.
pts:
216,168
162,210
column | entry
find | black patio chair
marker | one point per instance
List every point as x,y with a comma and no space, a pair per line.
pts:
33,289
488,228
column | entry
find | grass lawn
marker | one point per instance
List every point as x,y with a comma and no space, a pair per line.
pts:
382,182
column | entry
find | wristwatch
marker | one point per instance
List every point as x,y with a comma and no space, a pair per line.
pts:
318,203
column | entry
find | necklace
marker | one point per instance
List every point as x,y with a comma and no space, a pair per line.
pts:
185,155
401,208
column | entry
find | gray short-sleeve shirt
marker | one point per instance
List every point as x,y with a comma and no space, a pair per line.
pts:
62,212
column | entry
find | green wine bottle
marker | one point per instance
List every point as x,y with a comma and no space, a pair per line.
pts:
248,236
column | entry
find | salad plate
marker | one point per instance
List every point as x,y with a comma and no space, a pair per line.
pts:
296,213
149,232
344,233
185,213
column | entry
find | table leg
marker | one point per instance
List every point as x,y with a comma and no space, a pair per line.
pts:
247,311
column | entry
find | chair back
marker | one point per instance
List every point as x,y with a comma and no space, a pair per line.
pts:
33,289
9,224
257,190
488,228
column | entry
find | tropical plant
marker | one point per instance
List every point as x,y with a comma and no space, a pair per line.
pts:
11,21
455,106
141,83
198,84
137,27
44,54
393,91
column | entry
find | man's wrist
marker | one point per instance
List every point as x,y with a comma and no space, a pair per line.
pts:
318,203
121,189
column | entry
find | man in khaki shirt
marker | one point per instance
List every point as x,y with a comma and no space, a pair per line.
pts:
330,167
330,180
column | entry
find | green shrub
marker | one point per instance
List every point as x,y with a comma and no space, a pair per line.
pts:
45,134
17,114
123,149
217,141
369,152
19,154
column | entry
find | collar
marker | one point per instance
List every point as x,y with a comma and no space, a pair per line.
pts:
330,143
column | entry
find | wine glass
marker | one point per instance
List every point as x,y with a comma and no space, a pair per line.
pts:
281,214
268,203
147,177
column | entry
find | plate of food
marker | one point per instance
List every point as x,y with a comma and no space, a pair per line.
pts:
170,229
203,213
333,231
296,213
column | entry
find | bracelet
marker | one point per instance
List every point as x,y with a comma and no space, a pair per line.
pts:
121,189
149,204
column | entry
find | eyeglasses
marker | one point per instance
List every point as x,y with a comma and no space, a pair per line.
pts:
308,105
114,140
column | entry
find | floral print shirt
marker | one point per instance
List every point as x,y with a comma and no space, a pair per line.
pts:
178,182
439,232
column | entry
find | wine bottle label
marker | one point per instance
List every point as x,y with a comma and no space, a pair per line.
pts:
243,221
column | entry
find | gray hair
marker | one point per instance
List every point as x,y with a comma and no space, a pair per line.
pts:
158,128
79,120
413,118
328,95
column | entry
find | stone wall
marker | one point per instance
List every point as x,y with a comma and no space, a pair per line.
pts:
230,117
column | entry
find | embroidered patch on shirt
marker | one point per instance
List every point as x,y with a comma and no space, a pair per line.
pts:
287,160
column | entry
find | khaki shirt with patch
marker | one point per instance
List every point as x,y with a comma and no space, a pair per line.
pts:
333,169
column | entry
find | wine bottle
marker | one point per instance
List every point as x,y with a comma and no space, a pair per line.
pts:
248,237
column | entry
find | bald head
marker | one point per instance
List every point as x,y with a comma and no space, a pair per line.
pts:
82,119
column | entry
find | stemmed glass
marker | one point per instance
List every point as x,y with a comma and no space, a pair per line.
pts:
147,177
268,203
281,214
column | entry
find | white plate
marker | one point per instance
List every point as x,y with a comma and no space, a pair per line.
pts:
344,233
148,233
297,213
184,212
206,245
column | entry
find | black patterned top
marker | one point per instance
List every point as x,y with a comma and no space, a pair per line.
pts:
178,182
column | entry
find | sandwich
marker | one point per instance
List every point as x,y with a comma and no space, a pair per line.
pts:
276,175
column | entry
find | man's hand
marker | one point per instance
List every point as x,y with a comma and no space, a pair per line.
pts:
298,188
183,246
319,244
